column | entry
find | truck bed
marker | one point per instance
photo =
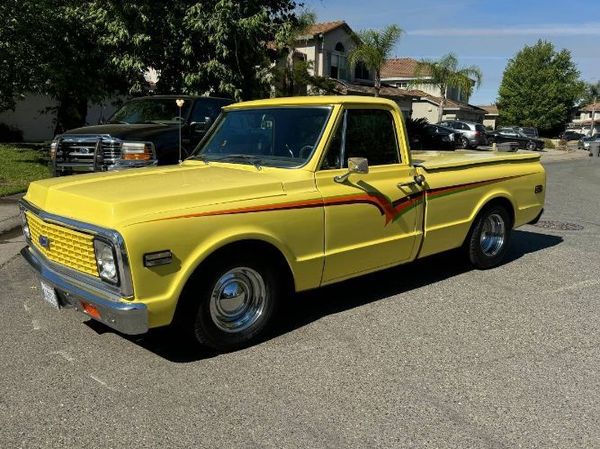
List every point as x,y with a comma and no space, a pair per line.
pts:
432,160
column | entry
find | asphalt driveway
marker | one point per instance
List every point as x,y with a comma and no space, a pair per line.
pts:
428,355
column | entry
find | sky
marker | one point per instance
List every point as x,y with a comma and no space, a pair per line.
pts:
485,33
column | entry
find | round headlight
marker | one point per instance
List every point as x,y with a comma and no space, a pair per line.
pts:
105,259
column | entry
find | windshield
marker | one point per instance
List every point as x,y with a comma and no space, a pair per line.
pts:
151,110
277,137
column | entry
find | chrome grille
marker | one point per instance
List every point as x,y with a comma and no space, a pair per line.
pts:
81,149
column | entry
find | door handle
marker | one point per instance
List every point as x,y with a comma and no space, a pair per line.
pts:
418,180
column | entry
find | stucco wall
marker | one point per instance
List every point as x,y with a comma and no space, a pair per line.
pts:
37,126
424,109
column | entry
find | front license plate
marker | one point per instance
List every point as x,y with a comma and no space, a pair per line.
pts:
49,295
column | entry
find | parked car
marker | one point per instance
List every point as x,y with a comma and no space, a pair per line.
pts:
570,135
584,142
529,132
143,132
505,135
282,195
469,134
425,136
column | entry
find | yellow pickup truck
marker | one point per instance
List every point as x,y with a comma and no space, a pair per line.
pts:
280,196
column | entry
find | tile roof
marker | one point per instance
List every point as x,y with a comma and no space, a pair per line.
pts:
324,27
399,67
346,88
490,109
590,107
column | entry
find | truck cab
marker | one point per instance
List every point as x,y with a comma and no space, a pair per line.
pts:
143,132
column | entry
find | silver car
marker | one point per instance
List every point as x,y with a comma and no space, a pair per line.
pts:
470,134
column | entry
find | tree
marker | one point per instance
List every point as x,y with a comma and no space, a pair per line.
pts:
591,95
210,46
374,48
79,51
445,73
539,88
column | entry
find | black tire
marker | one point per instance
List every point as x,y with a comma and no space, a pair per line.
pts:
199,317
531,146
489,252
463,142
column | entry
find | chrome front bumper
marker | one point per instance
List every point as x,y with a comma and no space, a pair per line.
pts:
126,317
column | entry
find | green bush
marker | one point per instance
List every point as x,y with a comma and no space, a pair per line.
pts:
10,133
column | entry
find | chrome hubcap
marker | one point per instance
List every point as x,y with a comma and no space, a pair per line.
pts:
492,235
238,299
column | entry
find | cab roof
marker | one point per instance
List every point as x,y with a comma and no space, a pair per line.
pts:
316,100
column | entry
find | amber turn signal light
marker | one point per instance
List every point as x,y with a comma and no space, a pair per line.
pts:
137,151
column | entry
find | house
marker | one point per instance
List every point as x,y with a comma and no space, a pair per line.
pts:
491,115
402,74
326,47
582,119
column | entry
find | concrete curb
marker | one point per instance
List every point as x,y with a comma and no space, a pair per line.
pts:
9,213
9,225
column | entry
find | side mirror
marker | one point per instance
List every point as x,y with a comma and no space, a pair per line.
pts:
201,127
355,165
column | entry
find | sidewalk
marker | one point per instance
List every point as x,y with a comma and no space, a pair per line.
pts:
550,155
9,213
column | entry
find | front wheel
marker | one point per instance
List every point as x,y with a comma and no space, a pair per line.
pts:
230,305
531,146
487,242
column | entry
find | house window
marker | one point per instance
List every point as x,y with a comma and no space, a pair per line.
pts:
338,63
361,71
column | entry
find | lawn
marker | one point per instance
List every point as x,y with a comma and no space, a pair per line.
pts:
19,166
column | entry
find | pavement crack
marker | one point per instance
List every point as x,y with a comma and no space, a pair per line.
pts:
101,382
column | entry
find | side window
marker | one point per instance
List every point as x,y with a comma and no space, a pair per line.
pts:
334,150
203,109
370,133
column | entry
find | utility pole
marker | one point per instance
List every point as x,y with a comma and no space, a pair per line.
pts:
593,114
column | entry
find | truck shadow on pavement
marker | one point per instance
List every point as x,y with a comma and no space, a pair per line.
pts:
304,308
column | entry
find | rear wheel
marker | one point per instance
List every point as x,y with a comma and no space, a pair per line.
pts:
231,304
487,242
464,142
531,146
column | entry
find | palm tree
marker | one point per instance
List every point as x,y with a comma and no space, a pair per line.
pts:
592,93
374,48
445,74
286,40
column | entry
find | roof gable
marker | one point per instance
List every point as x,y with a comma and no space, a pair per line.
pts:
400,68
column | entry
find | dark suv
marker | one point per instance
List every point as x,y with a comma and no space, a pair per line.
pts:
469,134
143,132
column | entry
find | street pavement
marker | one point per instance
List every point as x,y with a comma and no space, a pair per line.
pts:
429,355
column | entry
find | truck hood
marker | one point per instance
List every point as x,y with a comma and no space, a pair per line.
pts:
114,199
123,131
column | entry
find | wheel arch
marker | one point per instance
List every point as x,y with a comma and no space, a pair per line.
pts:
254,243
498,198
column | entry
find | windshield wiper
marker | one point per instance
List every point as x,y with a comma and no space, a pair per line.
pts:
120,122
254,160
200,157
